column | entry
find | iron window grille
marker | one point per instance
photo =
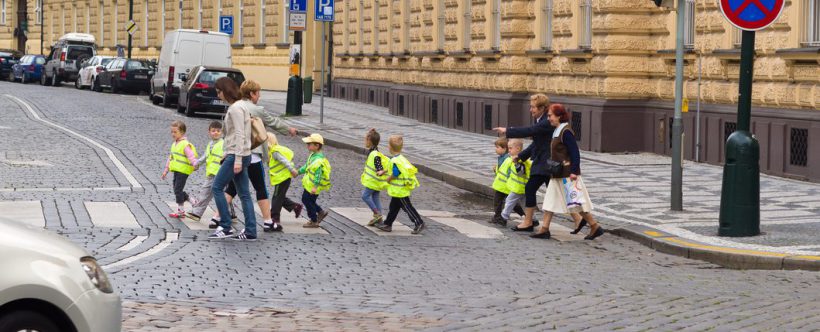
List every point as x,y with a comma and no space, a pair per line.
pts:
401,105
728,129
577,120
799,147
459,114
434,111
488,117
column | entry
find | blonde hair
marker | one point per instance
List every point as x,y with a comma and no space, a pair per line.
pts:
272,140
180,125
541,100
517,142
249,87
396,143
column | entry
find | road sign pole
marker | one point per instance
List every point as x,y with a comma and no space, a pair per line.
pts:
677,123
740,196
322,84
130,18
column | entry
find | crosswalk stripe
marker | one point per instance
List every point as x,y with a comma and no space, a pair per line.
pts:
559,232
362,216
201,225
111,214
133,243
289,223
470,228
27,212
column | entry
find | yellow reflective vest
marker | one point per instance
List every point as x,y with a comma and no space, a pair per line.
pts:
370,179
215,155
403,185
310,175
179,162
502,173
517,182
279,172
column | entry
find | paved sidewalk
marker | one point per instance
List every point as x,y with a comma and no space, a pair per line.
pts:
631,192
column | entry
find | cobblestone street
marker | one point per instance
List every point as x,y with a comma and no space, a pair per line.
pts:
91,164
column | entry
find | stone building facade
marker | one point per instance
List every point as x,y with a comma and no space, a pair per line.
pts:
471,64
260,41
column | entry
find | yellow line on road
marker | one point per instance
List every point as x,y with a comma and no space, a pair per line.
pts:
725,249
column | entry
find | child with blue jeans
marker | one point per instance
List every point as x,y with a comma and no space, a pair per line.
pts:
371,180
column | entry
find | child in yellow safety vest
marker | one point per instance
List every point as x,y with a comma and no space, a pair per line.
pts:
212,158
281,171
316,180
517,181
373,182
401,182
502,173
181,162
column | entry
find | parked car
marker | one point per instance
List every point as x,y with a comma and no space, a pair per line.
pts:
63,63
123,74
28,69
7,60
89,70
182,50
198,93
50,284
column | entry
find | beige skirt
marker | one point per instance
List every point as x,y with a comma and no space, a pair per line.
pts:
555,201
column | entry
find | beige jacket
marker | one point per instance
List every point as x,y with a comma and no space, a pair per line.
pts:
237,124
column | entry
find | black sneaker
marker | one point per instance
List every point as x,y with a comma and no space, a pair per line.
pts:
384,227
243,236
267,228
213,224
277,227
419,228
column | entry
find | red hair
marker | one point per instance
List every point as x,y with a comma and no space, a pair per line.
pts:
559,111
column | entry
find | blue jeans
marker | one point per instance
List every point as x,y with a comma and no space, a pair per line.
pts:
309,201
240,180
371,198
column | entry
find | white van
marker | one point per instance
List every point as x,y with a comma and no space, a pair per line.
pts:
182,50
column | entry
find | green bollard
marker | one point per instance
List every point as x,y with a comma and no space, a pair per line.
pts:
293,104
740,197
308,89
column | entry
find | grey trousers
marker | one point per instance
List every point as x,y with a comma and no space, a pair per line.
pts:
203,197
510,204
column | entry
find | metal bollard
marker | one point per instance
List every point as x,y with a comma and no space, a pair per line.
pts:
293,105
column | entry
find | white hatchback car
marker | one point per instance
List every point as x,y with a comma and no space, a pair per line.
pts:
89,70
50,284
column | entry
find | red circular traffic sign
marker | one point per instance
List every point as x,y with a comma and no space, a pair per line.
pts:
751,15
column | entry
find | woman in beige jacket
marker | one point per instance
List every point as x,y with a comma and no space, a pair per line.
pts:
237,149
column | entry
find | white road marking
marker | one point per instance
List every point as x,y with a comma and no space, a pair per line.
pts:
289,223
362,216
27,212
111,214
201,225
125,172
169,239
470,228
133,243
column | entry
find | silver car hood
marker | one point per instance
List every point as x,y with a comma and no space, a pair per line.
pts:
15,234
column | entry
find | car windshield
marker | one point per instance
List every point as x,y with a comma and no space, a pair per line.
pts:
136,65
105,61
76,52
210,77
40,60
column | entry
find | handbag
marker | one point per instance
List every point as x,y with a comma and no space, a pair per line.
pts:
554,168
258,132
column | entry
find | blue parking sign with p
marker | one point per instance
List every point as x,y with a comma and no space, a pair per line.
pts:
226,24
324,10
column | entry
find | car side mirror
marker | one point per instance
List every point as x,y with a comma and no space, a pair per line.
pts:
183,77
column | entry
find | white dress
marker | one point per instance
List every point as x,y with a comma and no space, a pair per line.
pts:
555,200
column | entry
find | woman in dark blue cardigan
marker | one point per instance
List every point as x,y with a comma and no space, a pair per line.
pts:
538,151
